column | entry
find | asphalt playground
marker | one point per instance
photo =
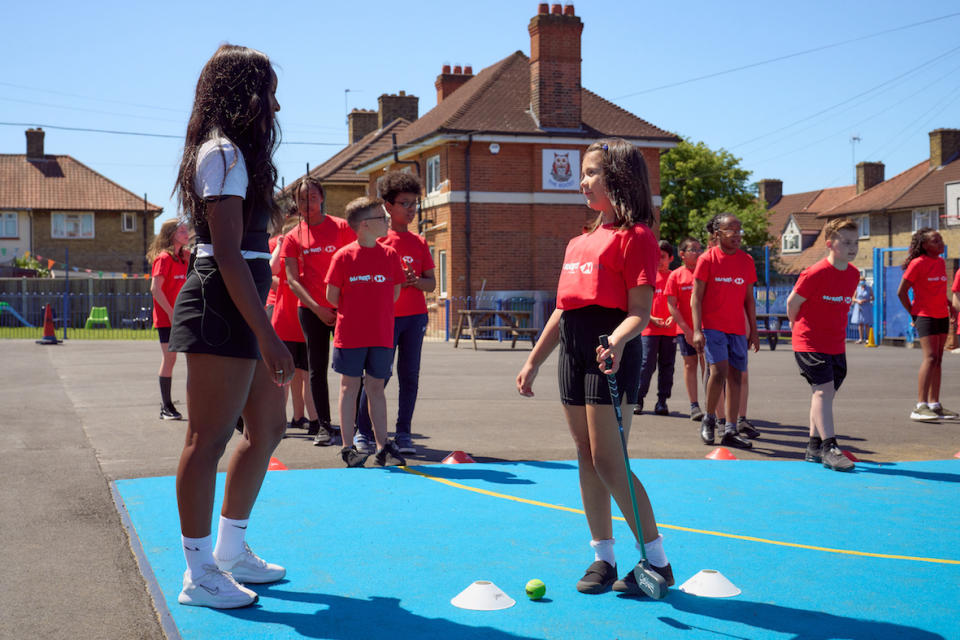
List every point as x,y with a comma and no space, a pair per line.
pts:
377,553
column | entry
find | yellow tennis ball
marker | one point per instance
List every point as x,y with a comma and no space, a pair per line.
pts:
536,589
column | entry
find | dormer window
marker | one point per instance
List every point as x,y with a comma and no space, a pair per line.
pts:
790,240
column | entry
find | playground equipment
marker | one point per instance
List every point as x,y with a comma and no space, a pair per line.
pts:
98,317
6,308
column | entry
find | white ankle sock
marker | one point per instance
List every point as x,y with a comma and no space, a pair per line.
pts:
655,552
603,550
230,537
197,552
933,405
921,405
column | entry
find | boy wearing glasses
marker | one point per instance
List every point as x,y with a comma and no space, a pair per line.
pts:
363,282
400,192
722,290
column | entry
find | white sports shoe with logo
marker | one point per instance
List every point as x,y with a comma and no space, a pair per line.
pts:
249,568
215,589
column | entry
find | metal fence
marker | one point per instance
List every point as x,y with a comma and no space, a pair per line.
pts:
112,316
443,315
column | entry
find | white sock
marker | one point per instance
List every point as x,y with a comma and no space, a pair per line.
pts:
655,552
197,552
230,537
933,405
603,550
921,405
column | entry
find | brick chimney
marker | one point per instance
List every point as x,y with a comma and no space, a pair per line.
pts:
449,81
944,146
361,122
35,143
391,107
555,67
770,191
869,174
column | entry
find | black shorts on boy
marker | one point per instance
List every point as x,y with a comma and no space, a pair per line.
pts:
821,368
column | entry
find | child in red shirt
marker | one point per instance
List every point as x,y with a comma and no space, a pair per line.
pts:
722,290
659,341
170,259
925,272
818,307
364,282
679,290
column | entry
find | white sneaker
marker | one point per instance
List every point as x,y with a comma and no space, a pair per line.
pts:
249,568
216,589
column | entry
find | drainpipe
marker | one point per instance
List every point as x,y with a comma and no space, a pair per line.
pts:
466,223
397,160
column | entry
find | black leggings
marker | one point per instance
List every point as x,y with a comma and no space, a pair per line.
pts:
317,335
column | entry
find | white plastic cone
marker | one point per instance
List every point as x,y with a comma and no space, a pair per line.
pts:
483,595
709,583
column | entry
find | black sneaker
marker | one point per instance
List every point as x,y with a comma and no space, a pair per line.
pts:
598,578
352,457
661,408
638,409
169,413
833,457
628,583
696,413
313,427
734,439
746,429
389,456
323,437
707,430
813,451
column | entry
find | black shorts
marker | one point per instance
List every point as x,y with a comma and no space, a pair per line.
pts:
205,320
581,381
821,368
299,352
164,333
931,326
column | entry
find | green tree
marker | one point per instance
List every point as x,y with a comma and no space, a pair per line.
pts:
697,183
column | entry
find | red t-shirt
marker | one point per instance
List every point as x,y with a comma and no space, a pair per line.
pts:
600,267
680,286
956,289
821,324
366,277
659,308
285,320
729,279
415,255
313,246
928,275
174,273
272,294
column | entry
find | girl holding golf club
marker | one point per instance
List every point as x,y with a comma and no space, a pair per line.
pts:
606,288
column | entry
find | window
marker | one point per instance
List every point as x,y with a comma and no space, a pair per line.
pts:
8,224
929,217
71,225
790,241
128,221
433,174
442,274
863,227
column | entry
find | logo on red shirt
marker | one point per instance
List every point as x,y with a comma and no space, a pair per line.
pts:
585,268
408,259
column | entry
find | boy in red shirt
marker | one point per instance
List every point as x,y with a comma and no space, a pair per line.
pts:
722,290
679,289
659,340
363,282
818,307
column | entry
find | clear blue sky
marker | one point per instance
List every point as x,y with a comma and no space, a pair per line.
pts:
133,67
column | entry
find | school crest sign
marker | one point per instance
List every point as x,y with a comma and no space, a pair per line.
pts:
561,169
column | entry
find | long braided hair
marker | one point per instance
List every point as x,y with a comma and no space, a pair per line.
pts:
916,244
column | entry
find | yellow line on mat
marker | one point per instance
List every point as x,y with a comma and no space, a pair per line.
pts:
706,532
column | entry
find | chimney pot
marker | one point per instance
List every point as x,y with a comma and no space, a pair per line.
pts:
556,10
869,174
457,69
35,143
568,10
543,8
468,70
445,69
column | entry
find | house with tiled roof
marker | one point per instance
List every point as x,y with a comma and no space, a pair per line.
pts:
500,158
52,203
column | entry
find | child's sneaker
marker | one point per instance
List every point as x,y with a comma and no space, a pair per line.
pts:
363,443
661,409
405,443
746,429
833,458
598,578
638,408
322,434
628,584
943,413
352,457
250,568
390,457
169,413
813,450
924,413
216,589
708,429
696,413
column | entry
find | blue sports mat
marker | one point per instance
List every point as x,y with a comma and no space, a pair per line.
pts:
379,553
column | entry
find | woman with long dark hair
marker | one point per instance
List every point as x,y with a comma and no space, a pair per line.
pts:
236,364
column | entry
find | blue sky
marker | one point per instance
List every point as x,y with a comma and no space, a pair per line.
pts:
133,67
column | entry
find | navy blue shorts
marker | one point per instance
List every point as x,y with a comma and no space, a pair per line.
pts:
686,349
164,333
376,361
726,346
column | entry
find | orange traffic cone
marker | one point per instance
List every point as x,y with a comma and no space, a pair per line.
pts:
49,333
458,457
721,453
276,465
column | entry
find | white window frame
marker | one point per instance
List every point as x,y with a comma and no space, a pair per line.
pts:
926,217
863,227
442,273
5,219
791,242
68,221
433,174
128,222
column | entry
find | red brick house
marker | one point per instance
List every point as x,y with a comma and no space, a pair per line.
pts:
49,203
500,159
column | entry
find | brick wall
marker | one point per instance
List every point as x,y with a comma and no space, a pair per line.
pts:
337,195
109,250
